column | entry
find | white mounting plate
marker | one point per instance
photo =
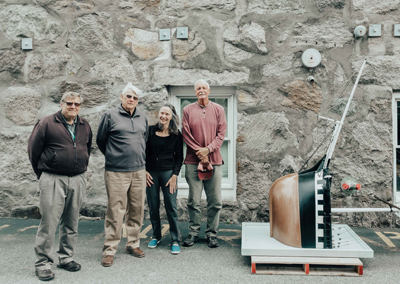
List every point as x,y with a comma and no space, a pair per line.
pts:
165,34
182,32
311,58
26,43
397,30
375,30
256,240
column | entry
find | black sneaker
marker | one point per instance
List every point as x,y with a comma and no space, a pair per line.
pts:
212,242
45,274
190,240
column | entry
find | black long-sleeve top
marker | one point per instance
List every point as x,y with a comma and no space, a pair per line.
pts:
167,157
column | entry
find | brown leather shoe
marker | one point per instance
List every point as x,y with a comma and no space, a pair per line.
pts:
107,260
137,252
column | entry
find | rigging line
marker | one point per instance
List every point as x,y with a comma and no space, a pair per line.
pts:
340,91
329,106
319,146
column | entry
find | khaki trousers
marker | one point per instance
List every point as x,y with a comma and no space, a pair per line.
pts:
126,193
61,198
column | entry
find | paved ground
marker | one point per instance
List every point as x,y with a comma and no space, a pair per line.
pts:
198,264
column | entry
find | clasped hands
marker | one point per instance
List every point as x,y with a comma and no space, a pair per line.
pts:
202,154
171,182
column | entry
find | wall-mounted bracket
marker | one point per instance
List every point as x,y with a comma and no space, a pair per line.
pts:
397,30
165,34
27,44
182,32
375,30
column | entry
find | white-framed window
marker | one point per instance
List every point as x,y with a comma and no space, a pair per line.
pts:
224,96
396,146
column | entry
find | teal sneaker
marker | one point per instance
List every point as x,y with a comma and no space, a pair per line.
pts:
175,249
153,243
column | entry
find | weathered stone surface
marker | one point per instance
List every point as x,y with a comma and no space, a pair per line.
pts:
137,20
22,105
92,32
175,76
73,5
115,69
339,105
166,22
50,65
31,212
250,37
188,49
373,7
235,54
276,6
13,151
302,95
335,33
281,66
373,136
151,7
382,110
253,178
337,4
12,60
94,93
143,44
379,70
174,7
265,134
29,21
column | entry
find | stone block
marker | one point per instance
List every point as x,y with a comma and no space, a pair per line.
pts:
265,135
379,70
12,60
375,7
281,66
22,105
177,76
276,7
235,54
115,69
249,37
52,64
144,44
92,32
337,4
151,7
302,95
73,5
94,93
328,32
183,50
178,8
29,21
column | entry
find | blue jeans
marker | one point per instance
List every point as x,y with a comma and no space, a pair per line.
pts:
212,188
160,179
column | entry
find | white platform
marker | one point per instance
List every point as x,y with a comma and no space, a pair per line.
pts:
256,240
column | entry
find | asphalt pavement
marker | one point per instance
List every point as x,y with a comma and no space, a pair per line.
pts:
197,264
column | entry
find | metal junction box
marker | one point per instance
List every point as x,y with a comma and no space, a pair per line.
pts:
375,30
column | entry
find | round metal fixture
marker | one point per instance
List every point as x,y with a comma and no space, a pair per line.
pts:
311,58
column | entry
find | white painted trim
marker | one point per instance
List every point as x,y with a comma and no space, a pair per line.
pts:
395,99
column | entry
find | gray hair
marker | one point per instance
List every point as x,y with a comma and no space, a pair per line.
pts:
202,81
173,127
71,95
131,87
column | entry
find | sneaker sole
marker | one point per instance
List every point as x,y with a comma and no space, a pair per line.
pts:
45,278
152,247
175,252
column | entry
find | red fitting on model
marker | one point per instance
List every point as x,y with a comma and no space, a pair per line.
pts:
358,186
345,186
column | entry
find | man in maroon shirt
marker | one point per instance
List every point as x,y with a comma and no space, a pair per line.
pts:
203,130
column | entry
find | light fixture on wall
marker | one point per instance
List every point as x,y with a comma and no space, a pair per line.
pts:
360,31
311,58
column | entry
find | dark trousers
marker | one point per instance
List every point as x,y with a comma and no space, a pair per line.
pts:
160,179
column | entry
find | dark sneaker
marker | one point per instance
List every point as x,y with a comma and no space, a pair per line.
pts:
212,242
45,274
70,266
190,240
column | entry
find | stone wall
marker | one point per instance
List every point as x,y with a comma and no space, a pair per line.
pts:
96,47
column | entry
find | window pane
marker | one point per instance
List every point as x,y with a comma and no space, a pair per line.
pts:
398,123
398,169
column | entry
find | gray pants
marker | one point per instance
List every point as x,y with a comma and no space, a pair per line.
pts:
61,198
212,188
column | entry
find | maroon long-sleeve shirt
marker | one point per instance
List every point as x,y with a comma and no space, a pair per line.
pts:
204,127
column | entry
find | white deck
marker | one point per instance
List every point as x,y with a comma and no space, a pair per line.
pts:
256,240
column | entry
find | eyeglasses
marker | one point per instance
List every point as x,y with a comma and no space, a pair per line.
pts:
130,97
71,104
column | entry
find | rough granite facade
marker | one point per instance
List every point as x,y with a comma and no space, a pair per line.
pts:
95,47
